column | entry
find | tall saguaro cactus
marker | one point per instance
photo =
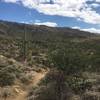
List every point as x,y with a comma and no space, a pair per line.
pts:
25,43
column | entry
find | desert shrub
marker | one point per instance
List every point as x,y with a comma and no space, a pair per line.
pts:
6,78
9,69
35,52
91,96
52,76
5,93
69,60
53,87
50,92
78,84
12,69
26,79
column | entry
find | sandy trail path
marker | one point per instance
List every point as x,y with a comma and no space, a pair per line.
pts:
36,79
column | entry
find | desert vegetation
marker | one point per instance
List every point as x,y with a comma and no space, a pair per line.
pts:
49,64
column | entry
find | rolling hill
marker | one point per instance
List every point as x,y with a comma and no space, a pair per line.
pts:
40,32
48,63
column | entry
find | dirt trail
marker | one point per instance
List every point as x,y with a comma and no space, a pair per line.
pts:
36,79
21,96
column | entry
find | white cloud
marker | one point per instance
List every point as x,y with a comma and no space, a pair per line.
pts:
78,9
51,24
93,30
95,5
76,27
12,1
98,1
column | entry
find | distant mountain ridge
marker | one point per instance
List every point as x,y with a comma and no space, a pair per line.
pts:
40,32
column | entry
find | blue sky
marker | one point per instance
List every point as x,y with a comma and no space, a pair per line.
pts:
80,14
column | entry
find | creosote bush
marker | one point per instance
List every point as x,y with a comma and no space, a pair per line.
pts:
78,84
26,79
69,60
70,63
6,78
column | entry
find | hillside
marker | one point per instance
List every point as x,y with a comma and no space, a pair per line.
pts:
35,32
48,63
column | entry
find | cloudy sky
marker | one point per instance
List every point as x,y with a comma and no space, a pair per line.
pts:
81,14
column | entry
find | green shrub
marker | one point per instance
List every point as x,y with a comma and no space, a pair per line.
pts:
69,60
91,96
78,84
50,92
6,92
13,69
26,79
6,78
